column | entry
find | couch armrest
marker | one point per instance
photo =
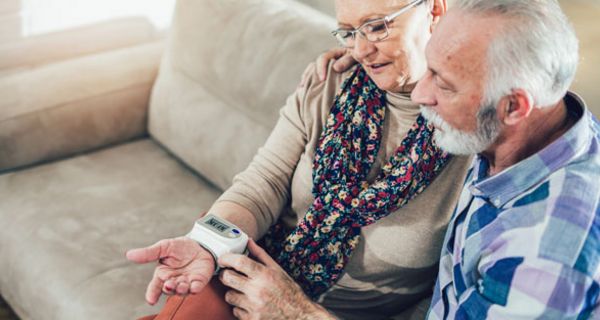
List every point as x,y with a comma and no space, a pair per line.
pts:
74,106
33,51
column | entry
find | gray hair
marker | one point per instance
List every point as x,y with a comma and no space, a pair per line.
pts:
537,50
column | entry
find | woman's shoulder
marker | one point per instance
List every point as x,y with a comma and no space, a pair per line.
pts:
318,95
311,77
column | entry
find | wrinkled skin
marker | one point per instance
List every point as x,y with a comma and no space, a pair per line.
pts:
261,289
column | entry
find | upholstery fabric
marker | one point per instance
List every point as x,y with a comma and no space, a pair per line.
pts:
219,88
42,49
227,69
95,100
71,222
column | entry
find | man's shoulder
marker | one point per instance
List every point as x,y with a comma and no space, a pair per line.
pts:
561,217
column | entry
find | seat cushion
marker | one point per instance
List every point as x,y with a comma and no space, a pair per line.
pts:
67,225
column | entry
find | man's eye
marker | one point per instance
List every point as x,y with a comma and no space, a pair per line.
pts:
445,89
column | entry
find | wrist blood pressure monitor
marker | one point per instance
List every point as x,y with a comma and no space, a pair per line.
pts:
218,236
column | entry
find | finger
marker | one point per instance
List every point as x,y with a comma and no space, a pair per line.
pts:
241,313
183,288
344,63
198,282
234,280
169,286
148,254
237,299
156,286
196,286
324,59
241,263
154,290
181,285
260,254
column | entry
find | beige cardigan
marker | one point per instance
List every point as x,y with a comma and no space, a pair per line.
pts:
395,264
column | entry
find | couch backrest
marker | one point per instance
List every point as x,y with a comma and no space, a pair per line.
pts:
327,6
227,70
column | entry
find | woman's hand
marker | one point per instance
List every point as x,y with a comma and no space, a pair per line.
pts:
342,61
183,267
263,290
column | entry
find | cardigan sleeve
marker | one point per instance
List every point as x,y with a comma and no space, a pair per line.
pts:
264,187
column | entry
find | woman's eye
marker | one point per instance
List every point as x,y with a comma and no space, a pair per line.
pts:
345,34
376,27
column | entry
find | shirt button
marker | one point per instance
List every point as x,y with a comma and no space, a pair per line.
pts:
497,202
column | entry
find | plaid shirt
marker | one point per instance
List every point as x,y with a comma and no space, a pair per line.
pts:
525,243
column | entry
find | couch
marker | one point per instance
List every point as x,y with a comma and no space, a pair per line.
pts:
120,148
111,145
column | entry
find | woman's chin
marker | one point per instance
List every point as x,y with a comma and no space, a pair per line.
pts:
385,83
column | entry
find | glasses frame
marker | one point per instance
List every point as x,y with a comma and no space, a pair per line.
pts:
386,20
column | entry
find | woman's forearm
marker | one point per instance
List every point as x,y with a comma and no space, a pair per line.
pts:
237,215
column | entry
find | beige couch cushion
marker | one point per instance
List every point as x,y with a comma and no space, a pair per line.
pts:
74,106
71,222
228,68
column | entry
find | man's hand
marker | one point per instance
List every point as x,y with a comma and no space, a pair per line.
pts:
343,60
183,267
262,289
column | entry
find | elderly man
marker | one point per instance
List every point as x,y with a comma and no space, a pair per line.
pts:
524,240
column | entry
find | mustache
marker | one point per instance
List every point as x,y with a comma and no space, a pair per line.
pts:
435,119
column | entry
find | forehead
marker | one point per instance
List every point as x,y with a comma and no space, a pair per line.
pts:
356,11
459,45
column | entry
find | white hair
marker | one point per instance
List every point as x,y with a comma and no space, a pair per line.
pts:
455,141
537,50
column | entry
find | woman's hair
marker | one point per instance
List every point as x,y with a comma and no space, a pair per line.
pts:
537,50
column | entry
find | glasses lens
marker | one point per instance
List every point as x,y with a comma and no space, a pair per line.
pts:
344,37
375,30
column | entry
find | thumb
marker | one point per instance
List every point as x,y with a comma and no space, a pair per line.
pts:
154,252
260,254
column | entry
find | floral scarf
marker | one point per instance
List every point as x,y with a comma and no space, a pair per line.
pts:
316,251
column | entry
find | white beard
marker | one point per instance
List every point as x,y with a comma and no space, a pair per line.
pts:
455,141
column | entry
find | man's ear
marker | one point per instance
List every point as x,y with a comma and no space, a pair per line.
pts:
516,107
438,9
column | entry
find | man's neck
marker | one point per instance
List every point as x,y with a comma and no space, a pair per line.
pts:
519,142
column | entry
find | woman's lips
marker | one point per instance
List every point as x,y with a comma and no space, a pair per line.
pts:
377,68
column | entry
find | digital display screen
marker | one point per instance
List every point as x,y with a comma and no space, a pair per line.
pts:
217,225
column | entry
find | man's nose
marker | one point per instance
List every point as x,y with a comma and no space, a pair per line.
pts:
423,92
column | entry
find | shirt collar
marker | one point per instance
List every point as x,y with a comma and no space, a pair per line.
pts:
513,181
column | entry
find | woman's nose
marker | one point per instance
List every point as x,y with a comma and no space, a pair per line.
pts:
362,47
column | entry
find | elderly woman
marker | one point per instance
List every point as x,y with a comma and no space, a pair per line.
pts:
349,193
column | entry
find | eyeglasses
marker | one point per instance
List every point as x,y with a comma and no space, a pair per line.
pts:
374,30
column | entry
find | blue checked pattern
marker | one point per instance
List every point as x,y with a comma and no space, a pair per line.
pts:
525,243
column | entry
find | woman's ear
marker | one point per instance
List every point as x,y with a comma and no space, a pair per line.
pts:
438,9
